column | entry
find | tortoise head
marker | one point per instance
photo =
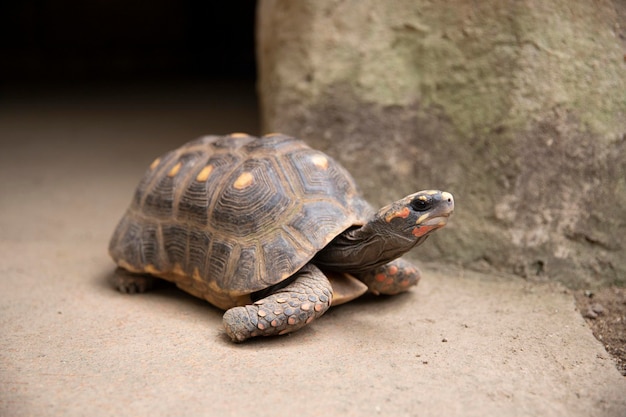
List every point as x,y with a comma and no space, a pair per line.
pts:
390,233
420,213
417,215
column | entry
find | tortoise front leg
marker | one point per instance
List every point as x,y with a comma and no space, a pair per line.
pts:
284,311
392,278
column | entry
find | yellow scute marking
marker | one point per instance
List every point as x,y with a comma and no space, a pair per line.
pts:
239,135
151,269
178,269
155,163
244,180
320,161
214,287
174,170
196,274
127,266
204,174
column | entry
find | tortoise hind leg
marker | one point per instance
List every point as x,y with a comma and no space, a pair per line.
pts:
391,278
285,310
131,283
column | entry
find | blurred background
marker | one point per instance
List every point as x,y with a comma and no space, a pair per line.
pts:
86,83
72,43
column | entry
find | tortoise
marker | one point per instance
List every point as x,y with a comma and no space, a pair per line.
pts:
268,229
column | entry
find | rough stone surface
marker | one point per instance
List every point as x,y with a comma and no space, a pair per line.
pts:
518,108
460,344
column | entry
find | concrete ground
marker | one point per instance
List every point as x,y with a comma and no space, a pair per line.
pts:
460,344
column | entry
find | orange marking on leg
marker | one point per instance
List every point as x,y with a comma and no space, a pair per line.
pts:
380,277
239,135
392,270
403,214
306,306
291,320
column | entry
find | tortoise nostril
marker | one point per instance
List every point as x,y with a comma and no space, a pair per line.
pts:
447,198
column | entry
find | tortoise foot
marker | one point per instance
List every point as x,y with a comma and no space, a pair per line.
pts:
284,311
392,278
129,283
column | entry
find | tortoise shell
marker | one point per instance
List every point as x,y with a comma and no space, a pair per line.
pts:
226,216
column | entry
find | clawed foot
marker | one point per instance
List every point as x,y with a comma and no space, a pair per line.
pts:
128,283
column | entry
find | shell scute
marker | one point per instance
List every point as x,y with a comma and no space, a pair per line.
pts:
252,210
319,175
199,243
175,244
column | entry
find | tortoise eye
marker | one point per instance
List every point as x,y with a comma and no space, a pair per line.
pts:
422,203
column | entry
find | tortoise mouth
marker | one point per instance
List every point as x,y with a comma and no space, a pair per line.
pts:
438,215
436,221
426,225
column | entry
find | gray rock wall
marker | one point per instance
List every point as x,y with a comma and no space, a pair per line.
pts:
517,108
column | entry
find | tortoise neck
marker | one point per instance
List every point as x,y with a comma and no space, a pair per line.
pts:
360,249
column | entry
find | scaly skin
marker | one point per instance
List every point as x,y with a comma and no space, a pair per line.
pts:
392,278
285,310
